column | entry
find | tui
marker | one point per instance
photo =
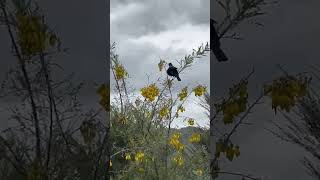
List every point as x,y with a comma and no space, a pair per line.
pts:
215,43
172,71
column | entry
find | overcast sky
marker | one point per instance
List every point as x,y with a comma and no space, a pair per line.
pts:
146,31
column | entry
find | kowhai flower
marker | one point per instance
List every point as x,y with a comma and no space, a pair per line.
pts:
195,137
175,142
178,159
164,112
183,94
199,90
139,157
120,72
150,92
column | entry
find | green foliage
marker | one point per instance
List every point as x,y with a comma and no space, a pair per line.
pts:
144,144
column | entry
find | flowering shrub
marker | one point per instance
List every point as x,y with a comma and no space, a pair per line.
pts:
146,147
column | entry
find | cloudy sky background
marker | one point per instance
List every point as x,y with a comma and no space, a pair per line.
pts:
145,31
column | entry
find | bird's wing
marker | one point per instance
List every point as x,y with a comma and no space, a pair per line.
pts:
214,38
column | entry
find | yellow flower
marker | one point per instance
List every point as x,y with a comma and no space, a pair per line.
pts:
178,159
104,92
198,172
199,90
139,157
32,35
181,108
190,122
195,137
127,156
176,135
141,170
175,142
150,92
164,112
183,94
120,72
110,163
148,114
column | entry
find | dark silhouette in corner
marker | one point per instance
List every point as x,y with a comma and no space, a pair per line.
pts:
172,71
215,43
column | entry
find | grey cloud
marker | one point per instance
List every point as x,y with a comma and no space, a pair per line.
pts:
158,16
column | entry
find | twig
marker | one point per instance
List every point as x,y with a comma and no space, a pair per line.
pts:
243,117
27,80
238,174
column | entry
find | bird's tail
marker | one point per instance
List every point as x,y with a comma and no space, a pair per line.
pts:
178,78
220,55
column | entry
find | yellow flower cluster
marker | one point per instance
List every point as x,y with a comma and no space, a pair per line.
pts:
32,34
120,72
148,114
199,90
195,137
150,92
164,112
178,159
183,94
127,156
175,142
190,122
198,172
181,108
176,135
104,92
139,157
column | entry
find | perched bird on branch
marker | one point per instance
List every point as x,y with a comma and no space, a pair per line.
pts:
172,71
215,43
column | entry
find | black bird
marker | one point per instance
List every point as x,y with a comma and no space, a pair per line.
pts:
215,43
172,71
